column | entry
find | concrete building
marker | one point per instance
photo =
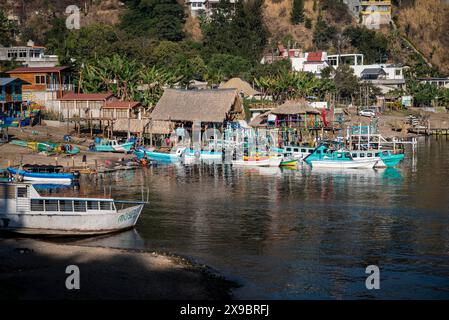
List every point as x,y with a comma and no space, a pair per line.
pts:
439,82
29,55
354,7
386,76
313,62
376,13
203,6
371,13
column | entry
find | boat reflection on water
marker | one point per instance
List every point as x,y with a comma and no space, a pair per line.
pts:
384,173
129,239
391,174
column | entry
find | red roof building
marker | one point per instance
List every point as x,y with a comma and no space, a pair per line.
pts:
315,57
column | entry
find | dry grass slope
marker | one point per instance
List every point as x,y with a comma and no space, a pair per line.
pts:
426,24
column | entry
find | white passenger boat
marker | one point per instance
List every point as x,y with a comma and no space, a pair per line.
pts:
24,210
344,160
297,152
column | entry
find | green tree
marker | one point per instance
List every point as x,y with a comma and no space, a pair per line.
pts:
291,85
159,19
236,29
127,79
297,14
88,43
346,82
374,45
153,81
323,34
228,66
6,30
308,23
55,37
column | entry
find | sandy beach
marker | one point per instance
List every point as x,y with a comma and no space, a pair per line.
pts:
35,269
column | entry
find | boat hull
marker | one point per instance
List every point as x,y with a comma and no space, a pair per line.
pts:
63,224
252,163
125,147
43,177
289,163
353,164
158,155
391,160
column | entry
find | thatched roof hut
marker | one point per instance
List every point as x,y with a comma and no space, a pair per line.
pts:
160,127
198,105
241,85
260,120
295,107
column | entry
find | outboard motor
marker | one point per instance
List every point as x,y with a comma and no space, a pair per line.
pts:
76,175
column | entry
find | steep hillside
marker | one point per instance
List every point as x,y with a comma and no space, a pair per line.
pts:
423,22
277,17
426,24
35,17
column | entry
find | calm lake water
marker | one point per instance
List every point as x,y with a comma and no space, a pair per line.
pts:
302,234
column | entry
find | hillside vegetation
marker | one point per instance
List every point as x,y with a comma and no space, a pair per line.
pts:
426,24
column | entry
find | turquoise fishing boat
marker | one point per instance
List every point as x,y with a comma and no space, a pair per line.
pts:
113,146
343,159
158,156
388,158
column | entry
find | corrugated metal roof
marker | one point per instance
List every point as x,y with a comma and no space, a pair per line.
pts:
37,69
315,57
374,71
86,96
5,81
121,104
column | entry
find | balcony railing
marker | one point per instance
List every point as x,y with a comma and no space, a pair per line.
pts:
376,3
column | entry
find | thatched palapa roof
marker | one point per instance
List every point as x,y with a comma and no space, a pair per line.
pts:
294,107
197,105
134,125
240,85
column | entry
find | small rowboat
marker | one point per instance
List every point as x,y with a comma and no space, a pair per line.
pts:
289,163
258,162
252,163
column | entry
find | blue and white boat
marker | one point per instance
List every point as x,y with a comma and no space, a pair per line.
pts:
190,156
24,210
48,174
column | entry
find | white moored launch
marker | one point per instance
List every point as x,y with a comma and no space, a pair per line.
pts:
24,210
